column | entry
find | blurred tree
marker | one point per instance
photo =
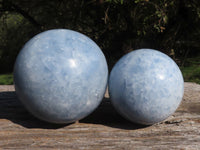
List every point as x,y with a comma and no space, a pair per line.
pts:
118,26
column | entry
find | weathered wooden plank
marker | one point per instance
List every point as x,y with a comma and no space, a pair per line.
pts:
103,129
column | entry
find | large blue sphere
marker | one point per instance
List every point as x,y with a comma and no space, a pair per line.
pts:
60,76
146,86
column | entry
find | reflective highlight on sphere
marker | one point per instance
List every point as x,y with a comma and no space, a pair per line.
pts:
146,86
60,76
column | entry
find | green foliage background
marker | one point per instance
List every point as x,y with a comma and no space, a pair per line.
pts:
117,26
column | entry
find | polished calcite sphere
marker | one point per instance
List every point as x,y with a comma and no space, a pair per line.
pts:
60,76
146,86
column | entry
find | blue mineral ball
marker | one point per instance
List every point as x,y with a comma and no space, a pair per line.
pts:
60,76
146,86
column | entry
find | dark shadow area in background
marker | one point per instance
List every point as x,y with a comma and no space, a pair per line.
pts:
12,109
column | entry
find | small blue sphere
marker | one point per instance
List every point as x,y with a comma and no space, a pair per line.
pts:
60,76
146,86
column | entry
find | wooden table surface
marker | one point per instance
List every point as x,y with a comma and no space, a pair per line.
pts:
104,129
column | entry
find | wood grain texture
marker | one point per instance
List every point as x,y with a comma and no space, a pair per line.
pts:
103,129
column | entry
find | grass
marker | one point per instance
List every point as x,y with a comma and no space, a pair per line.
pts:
190,74
6,79
191,71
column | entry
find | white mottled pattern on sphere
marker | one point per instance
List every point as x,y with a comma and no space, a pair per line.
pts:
146,86
60,76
